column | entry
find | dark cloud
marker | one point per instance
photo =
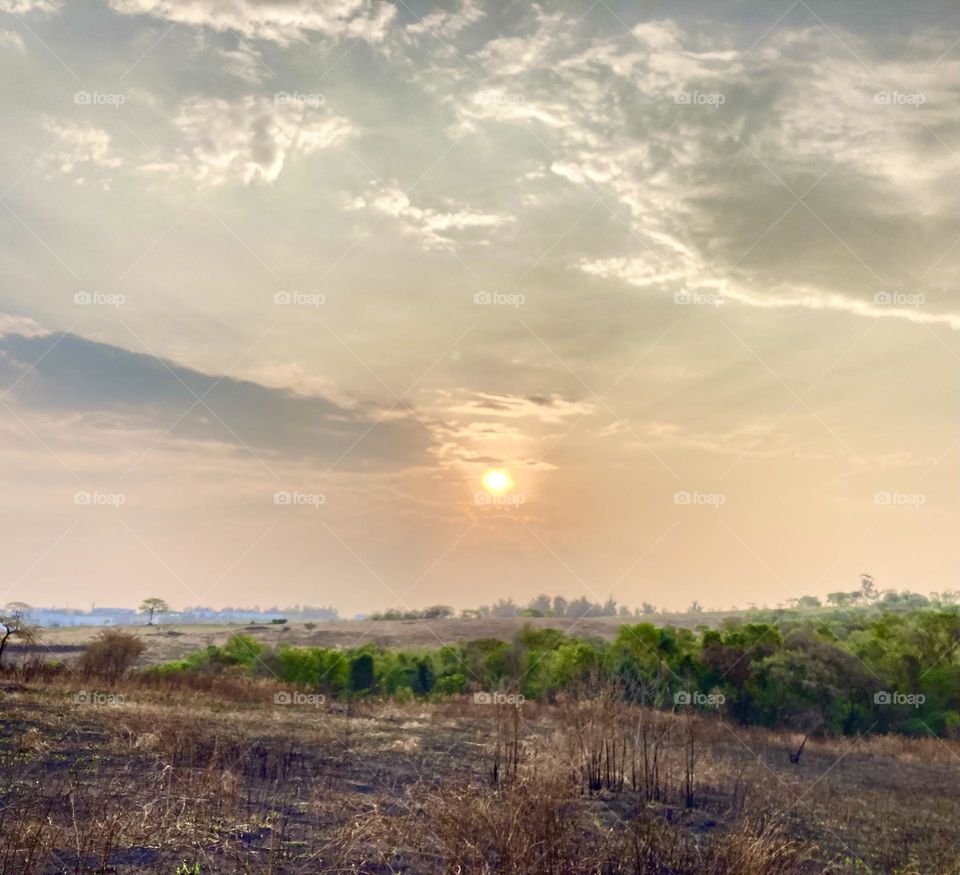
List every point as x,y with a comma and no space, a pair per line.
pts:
75,375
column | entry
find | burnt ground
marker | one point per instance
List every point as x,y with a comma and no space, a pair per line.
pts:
159,779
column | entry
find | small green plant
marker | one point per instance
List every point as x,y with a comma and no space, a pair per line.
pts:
188,869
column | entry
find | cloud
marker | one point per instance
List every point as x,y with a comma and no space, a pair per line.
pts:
280,21
217,141
23,325
22,7
512,55
82,150
247,140
436,229
544,408
641,273
703,150
445,24
103,387
244,62
10,39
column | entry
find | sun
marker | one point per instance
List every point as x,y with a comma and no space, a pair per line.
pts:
497,481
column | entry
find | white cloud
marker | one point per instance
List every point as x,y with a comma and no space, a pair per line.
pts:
697,183
640,272
444,24
10,39
280,21
21,7
248,140
82,148
22,325
244,62
436,229
216,142
545,408
512,55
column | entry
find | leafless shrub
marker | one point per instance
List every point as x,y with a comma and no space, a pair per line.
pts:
111,655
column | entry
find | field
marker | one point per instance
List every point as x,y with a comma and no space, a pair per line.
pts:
168,642
213,775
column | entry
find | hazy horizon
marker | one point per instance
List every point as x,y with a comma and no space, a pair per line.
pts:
282,282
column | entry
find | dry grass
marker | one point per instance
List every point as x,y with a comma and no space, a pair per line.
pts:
169,642
215,774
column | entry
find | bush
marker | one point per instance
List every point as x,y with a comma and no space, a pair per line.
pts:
361,673
111,655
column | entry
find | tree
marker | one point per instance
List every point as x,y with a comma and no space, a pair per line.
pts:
361,673
695,608
437,612
808,601
154,607
868,588
13,623
111,655
541,604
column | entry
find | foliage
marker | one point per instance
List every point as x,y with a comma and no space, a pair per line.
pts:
842,673
111,655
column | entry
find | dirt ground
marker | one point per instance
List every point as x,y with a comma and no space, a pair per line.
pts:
137,779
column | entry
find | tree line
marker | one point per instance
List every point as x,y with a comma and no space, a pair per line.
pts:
843,673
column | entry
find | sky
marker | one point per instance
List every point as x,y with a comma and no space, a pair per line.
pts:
280,281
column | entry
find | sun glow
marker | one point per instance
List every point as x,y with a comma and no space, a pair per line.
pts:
497,481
